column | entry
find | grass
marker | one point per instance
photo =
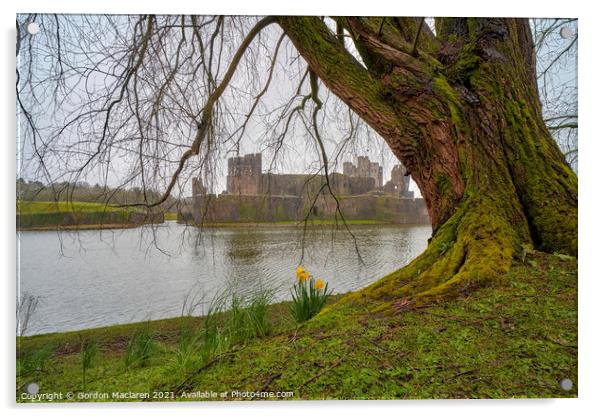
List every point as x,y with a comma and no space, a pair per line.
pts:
197,345
247,316
140,349
41,215
36,207
517,340
87,354
170,216
34,361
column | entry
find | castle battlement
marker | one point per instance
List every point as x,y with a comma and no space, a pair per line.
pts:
364,169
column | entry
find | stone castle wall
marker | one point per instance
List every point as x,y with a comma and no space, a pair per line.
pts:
383,208
227,208
253,196
299,185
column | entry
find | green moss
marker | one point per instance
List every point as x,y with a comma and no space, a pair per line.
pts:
443,89
467,61
544,183
171,216
443,184
552,213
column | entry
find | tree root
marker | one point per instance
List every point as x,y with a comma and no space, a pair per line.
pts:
473,249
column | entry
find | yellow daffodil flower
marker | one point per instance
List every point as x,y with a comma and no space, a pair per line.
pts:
319,284
303,276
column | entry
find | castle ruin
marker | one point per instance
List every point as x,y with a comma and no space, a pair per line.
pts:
399,184
252,195
364,169
245,177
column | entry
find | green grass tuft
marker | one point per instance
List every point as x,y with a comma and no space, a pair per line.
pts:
140,349
88,353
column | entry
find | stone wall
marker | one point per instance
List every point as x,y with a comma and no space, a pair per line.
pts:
245,178
226,208
399,184
383,208
307,186
283,184
364,169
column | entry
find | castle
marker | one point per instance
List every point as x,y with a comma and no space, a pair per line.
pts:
245,177
364,168
252,195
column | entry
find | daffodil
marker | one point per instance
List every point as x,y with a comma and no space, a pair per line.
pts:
308,299
303,276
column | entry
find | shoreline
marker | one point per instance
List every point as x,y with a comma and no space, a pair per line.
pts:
123,329
298,224
78,227
231,225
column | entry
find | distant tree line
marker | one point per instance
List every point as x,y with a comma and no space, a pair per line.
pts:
82,191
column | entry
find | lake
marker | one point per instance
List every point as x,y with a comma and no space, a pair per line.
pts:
96,278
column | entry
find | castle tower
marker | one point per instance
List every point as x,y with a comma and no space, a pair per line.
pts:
365,169
244,175
349,169
399,183
376,172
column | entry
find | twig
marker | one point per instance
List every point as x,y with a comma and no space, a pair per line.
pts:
319,374
460,374
269,381
549,338
415,47
216,359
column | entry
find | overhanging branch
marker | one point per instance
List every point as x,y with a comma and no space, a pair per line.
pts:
204,124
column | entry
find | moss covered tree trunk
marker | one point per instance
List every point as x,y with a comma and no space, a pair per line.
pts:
461,110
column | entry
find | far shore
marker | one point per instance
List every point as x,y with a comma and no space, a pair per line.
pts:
232,225
310,223
76,227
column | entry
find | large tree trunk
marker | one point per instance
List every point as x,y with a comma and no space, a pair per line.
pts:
461,111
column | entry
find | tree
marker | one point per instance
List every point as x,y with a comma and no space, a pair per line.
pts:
457,104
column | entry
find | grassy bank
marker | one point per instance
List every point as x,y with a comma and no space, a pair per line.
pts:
47,215
170,216
518,340
288,223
